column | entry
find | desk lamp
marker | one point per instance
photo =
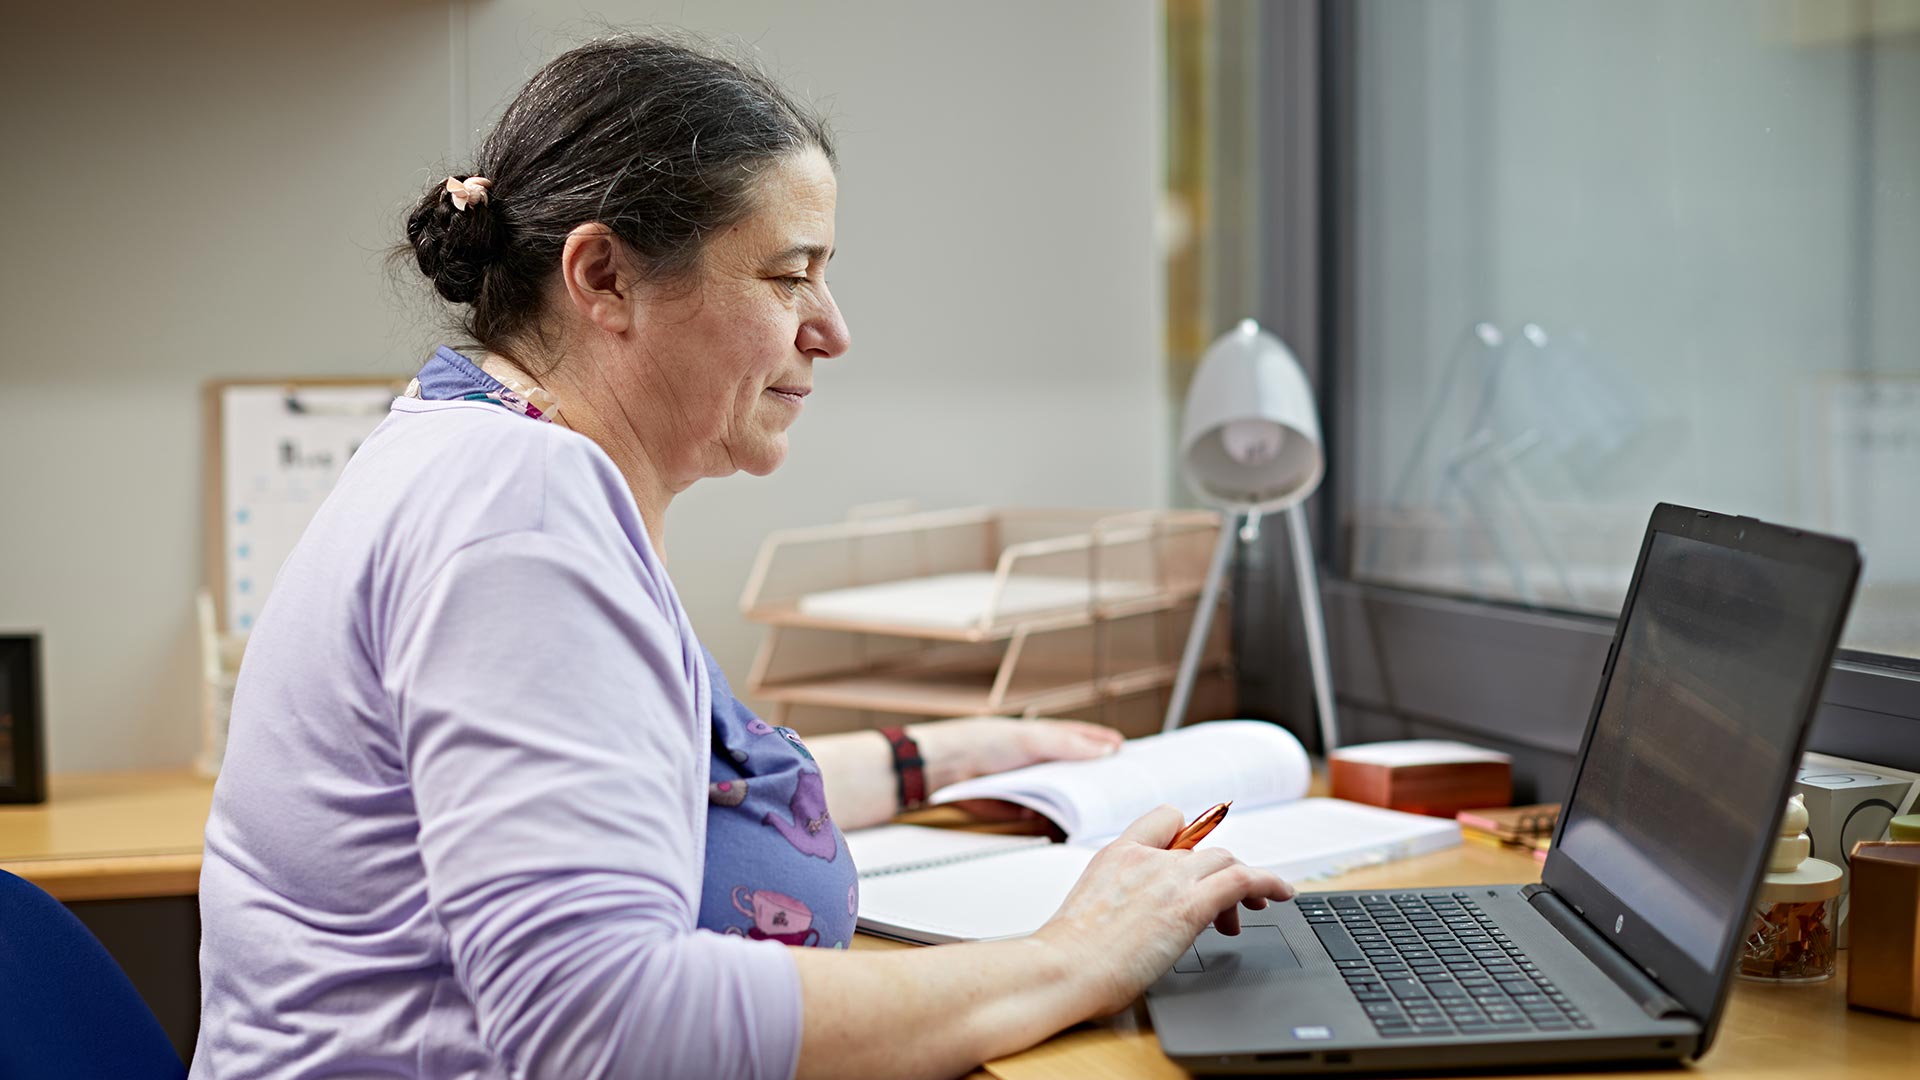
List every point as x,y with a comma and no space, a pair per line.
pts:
1250,445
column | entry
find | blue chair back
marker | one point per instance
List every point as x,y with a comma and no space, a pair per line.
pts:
66,1009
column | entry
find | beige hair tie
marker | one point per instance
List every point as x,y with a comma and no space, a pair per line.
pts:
469,192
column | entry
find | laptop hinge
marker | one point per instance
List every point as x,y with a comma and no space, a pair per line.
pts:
1655,1001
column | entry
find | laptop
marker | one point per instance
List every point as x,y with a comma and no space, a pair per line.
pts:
1623,952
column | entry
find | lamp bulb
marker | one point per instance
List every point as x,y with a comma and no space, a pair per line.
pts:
1252,442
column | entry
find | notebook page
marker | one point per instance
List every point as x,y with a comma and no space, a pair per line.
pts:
1315,838
1248,761
893,849
1009,895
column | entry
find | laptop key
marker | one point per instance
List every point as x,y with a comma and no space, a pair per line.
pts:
1405,988
1335,940
1382,1008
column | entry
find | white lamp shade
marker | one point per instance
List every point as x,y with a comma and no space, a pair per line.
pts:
1250,439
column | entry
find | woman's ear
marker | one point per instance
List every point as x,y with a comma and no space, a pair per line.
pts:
590,266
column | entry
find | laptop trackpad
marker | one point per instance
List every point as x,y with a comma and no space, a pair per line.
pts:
1261,949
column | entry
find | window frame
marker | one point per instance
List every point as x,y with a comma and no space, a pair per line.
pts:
1397,652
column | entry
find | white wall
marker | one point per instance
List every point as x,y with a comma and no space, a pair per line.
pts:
192,195
191,190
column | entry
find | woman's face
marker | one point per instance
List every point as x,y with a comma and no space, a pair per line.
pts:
724,362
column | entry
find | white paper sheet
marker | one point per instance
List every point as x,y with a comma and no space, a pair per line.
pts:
1014,894
1250,762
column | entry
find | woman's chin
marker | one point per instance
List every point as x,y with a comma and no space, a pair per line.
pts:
765,458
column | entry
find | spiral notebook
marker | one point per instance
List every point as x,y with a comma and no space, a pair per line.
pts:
940,885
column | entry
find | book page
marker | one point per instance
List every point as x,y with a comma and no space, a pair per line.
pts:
1250,762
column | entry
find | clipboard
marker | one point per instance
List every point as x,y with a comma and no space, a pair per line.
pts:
274,448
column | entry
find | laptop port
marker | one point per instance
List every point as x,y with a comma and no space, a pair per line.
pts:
1298,1055
1337,1057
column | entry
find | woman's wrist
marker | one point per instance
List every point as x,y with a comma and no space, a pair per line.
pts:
944,753
1072,964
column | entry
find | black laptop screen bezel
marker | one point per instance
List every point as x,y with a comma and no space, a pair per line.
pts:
1701,990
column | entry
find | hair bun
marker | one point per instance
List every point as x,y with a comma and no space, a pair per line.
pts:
453,246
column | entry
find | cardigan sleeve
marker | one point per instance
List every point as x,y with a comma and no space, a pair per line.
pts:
547,719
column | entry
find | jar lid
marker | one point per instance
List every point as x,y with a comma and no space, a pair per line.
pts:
1904,828
1814,879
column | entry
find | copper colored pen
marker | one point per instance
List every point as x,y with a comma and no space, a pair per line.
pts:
1201,826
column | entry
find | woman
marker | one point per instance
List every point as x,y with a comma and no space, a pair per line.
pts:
488,809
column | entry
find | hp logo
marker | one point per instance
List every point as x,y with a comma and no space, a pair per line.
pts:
1618,922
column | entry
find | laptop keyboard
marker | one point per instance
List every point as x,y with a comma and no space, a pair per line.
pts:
1435,965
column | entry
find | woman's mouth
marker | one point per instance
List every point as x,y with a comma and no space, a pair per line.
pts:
792,395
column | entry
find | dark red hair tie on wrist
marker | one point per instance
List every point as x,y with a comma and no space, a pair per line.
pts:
909,768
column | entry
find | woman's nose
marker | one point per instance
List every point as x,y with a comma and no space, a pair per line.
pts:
823,334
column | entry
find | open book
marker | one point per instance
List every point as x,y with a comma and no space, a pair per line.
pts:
939,885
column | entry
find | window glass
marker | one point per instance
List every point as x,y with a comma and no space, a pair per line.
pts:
1613,252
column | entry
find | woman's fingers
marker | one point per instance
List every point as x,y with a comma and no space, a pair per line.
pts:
1155,828
1206,861
1236,884
1068,740
1228,921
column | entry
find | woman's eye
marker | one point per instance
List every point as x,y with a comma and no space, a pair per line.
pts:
793,284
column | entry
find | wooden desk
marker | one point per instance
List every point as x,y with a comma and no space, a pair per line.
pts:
110,836
1788,1032
122,851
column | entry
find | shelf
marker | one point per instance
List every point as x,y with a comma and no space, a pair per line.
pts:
981,611
979,574
919,692
789,614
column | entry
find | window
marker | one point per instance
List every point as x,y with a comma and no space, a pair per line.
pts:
1555,261
1607,253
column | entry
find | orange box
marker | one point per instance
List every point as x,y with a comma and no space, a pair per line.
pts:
1883,964
1421,777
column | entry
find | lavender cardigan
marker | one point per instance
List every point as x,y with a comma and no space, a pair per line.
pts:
460,826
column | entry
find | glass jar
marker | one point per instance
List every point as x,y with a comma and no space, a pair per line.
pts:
1790,941
1791,935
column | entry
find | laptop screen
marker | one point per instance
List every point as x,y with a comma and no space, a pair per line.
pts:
1718,662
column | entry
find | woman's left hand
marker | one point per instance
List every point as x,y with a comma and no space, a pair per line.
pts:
858,766
971,746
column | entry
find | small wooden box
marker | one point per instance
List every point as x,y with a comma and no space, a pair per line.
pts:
1883,969
1421,776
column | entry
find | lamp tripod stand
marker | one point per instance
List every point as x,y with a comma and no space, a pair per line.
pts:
1244,526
